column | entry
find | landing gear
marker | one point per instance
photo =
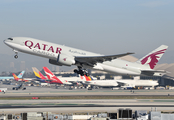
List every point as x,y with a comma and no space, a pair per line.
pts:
16,56
81,71
16,52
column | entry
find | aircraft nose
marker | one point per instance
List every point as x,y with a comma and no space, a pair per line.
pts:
8,40
5,41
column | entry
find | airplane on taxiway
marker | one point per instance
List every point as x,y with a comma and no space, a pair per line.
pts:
9,77
63,55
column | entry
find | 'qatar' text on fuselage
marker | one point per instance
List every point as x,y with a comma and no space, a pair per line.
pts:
44,47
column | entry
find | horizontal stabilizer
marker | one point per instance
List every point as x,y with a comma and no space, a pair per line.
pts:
154,72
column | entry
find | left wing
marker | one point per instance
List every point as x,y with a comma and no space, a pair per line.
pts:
92,60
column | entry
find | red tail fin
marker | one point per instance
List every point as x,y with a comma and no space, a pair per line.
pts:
51,76
87,78
15,77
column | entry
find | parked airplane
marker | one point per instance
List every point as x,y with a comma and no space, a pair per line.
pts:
137,83
54,79
19,79
39,76
63,55
103,83
7,78
122,83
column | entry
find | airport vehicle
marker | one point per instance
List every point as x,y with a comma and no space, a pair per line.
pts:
54,79
63,55
7,78
19,86
3,90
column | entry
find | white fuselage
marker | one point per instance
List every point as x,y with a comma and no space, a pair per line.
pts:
103,83
51,51
138,83
127,82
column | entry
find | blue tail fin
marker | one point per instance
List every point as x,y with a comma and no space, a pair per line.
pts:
21,74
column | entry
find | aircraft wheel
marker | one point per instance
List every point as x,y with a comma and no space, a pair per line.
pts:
16,56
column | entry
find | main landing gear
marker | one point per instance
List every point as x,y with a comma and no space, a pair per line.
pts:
81,71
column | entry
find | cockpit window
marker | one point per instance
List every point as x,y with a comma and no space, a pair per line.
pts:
10,38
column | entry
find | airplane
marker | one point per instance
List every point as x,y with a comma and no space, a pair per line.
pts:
7,78
137,83
127,83
103,83
54,79
19,79
67,56
39,76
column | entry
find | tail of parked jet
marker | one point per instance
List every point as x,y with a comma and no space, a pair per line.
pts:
38,74
153,57
18,79
88,78
51,76
21,74
15,77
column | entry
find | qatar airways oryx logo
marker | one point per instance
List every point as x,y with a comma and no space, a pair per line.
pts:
153,58
30,44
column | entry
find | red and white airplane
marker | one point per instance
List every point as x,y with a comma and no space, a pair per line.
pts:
63,55
54,79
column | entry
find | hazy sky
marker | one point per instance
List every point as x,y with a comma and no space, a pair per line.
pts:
101,26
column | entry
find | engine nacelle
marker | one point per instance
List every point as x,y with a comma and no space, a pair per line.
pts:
63,60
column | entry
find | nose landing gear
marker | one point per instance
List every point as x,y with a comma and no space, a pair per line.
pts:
16,56
16,52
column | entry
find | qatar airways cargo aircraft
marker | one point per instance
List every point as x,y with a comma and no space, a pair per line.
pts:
63,55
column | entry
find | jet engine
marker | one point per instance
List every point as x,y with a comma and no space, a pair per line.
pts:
63,60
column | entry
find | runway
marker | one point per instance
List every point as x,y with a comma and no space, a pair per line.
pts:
73,106
64,101
51,91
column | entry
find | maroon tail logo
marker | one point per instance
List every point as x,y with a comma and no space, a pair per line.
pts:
153,57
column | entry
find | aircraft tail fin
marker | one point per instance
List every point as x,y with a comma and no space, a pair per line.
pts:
88,78
15,77
38,74
153,57
21,74
51,76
